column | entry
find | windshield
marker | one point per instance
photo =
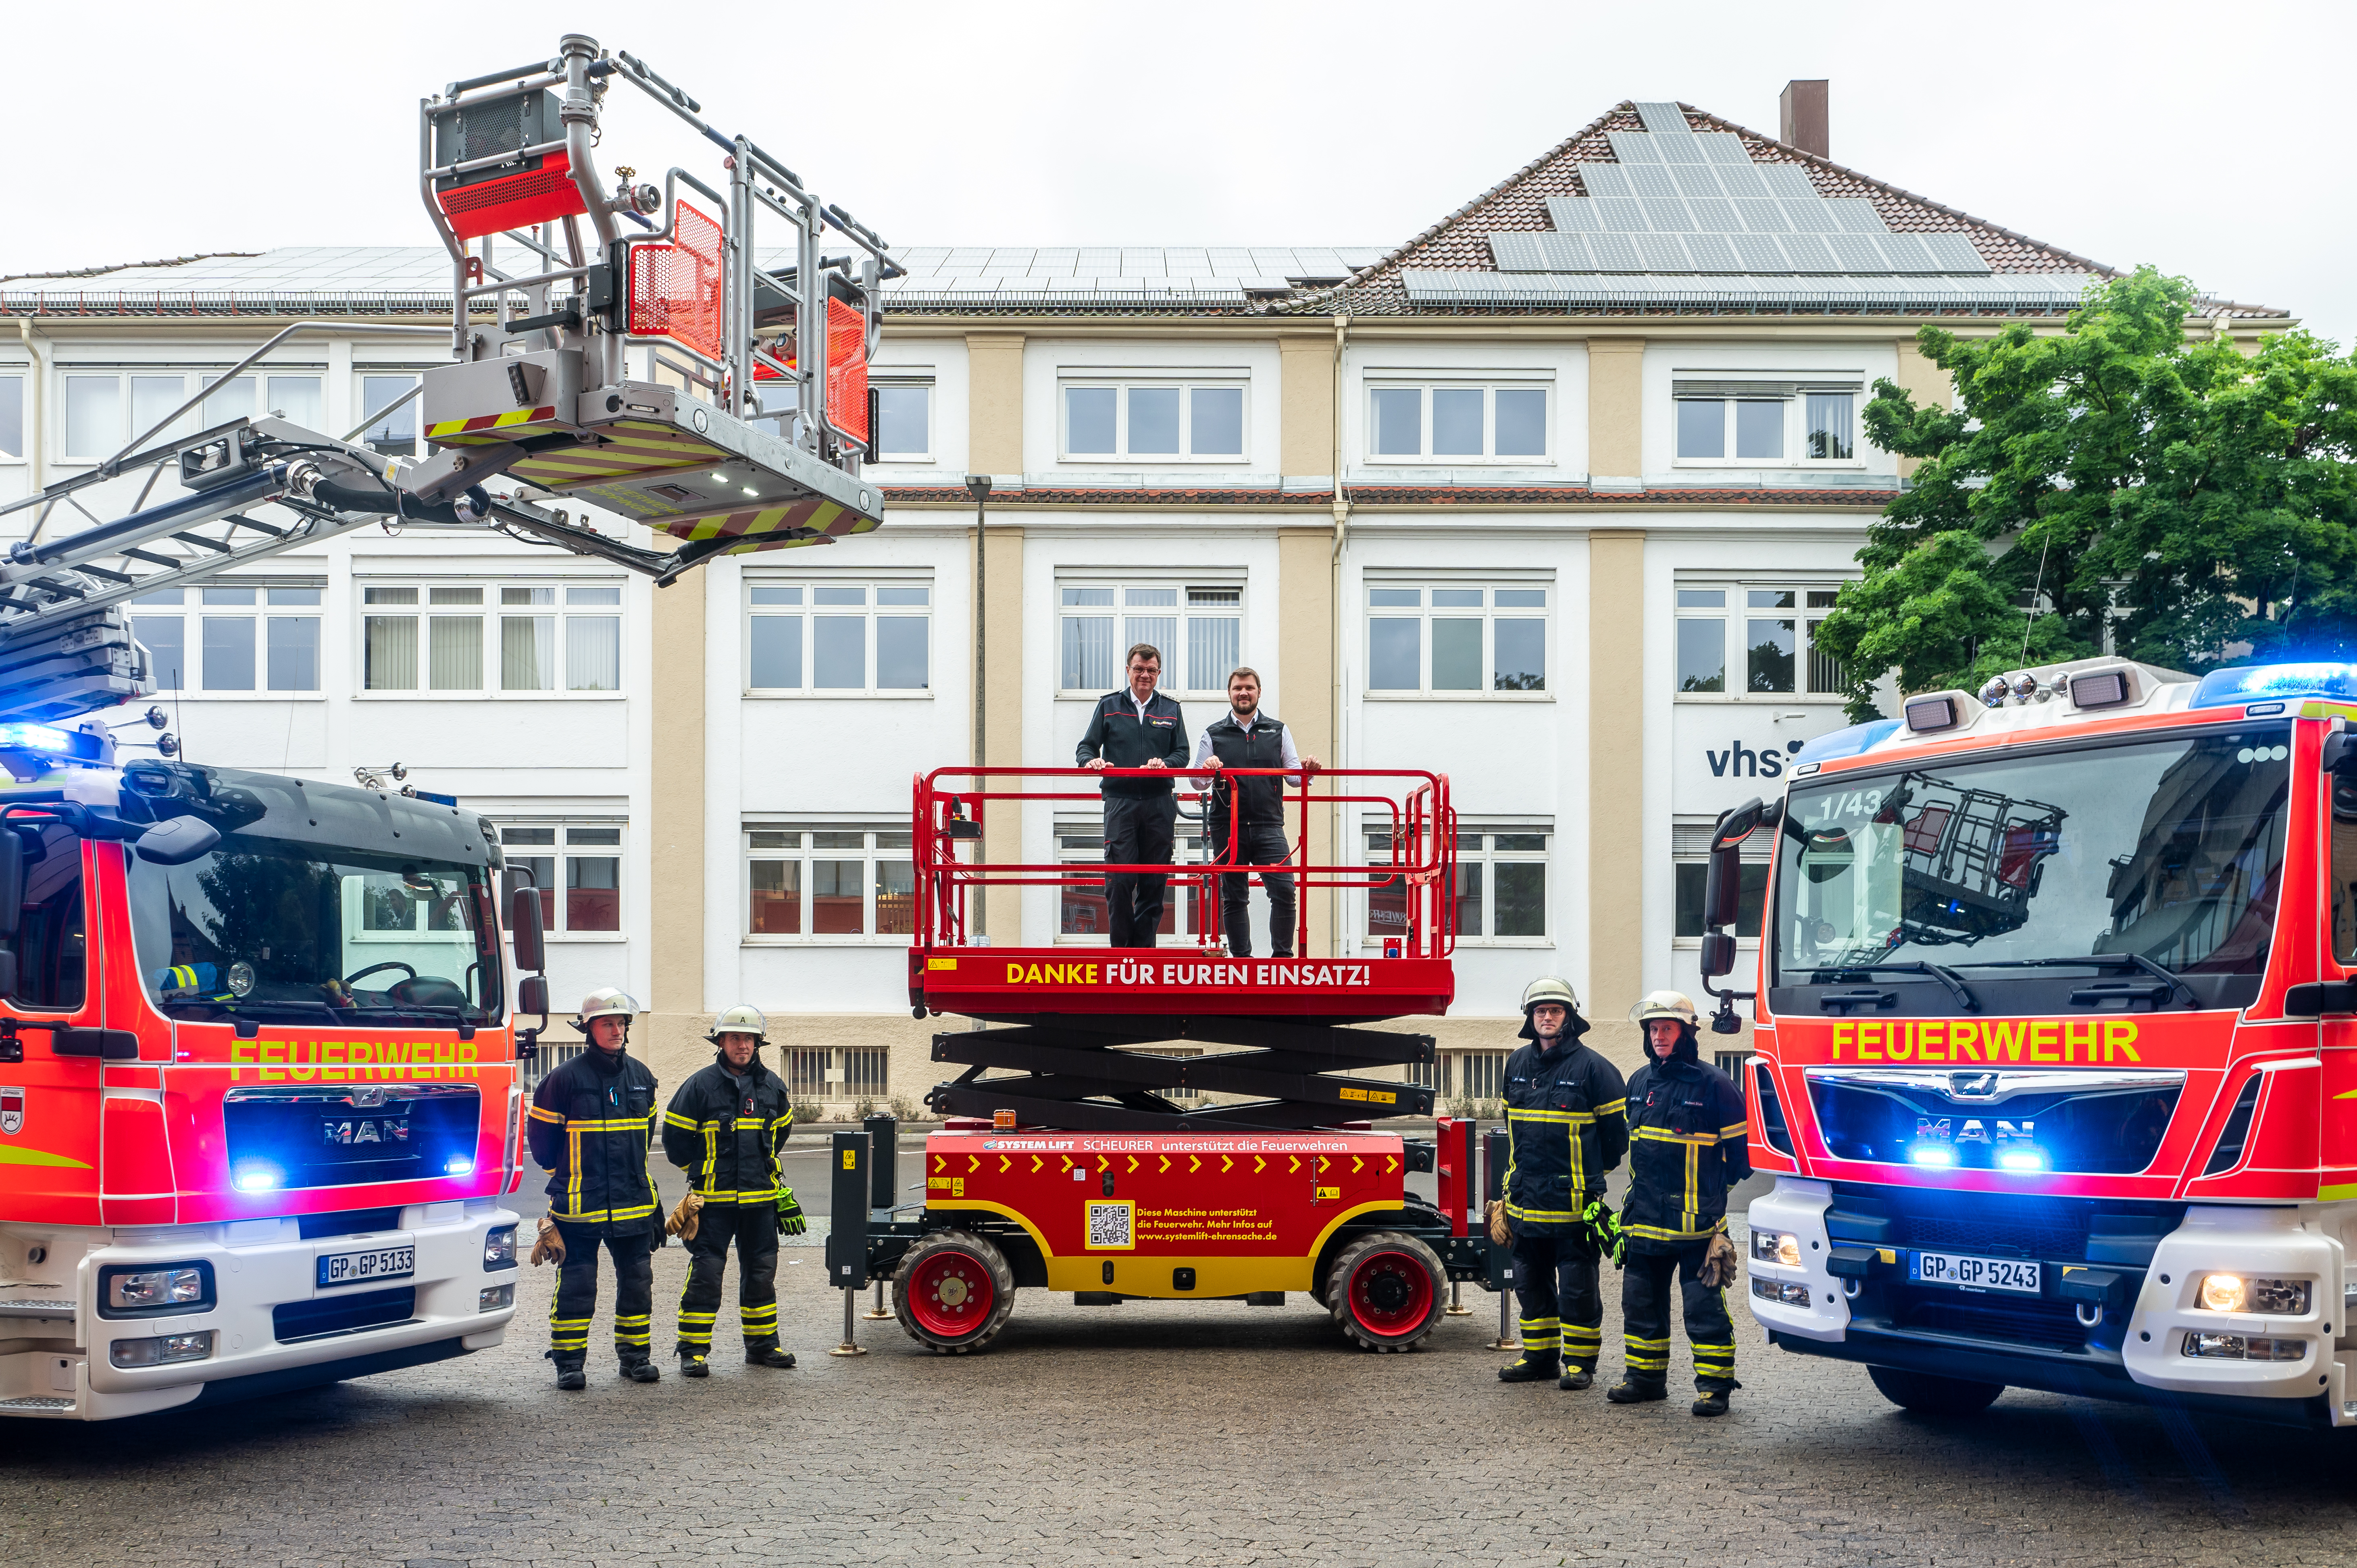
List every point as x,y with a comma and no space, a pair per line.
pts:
2171,850
265,926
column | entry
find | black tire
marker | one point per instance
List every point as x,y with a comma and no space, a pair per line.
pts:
936,1287
1387,1290
1928,1395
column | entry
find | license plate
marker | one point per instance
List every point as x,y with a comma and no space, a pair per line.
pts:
364,1265
2010,1275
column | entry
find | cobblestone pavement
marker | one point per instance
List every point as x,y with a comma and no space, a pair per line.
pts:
1153,1434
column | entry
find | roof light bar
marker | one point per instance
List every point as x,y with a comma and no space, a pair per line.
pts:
2258,683
2112,688
52,744
1936,711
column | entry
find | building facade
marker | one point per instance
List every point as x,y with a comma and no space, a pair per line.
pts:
1549,498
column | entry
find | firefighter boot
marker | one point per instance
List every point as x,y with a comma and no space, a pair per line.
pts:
693,1365
641,1370
1713,1401
1575,1378
768,1356
570,1377
1536,1366
1629,1391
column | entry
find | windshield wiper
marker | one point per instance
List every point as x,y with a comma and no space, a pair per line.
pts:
2175,981
1939,972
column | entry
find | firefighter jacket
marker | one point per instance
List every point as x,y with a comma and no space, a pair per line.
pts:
1566,1120
1688,1143
592,1124
725,1132
1116,733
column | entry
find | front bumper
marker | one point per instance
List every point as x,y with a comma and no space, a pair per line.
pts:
57,1355
1857,1318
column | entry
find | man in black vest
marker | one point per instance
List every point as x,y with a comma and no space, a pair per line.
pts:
1137,727
1246,738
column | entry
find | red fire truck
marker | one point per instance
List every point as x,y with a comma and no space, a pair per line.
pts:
2056,1038
1075,1156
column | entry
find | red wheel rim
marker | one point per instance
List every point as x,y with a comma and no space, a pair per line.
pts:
949,1295
1391,1294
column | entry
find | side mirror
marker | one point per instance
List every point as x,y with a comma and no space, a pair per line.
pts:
1722,888
12,892
7,972
1718,954
177,841
531,995
2340,752
523,925
1737,826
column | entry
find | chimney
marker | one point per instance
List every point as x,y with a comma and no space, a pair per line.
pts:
1801,116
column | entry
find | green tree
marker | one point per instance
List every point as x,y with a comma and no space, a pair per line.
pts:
2195,499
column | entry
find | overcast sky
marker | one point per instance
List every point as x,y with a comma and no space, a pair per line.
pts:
2210,141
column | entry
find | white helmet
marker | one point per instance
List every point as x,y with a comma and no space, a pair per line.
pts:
604,1002
742,1019
1664,1004
1555,989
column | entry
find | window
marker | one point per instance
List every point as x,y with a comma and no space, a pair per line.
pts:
11,419
1169,421
531,638
1453,638
585,889
852,1074
904,422
1461,422
838,638
831,882
1085,914
1775,651
1690,849
51,942
1501,891
1199,627
1748,424
93,415
393,432
247,636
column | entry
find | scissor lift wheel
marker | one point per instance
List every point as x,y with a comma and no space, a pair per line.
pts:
1386,1290
953,1291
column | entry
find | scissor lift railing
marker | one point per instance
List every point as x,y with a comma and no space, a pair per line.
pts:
1077,1012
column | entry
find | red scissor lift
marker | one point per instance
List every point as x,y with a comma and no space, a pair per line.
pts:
1067,1160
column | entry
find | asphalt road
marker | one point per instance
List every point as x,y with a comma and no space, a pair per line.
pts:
1152,1433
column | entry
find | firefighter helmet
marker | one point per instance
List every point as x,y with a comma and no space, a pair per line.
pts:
742,1019
604,1002
1664,1004
1555,989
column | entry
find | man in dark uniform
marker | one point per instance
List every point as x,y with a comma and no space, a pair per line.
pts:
592,1123
1688,1140
1563,1118
1137,727
1246,738
724,1128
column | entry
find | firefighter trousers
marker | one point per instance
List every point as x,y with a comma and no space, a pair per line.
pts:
1645,1316
576,1294
1561,1309
755,1228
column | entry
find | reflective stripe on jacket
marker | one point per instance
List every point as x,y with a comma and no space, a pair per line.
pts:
725,1132
1564,1118
1688,1143
592,1124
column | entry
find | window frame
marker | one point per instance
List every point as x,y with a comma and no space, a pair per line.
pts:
1186,383
556,907
1178,900
1738,589
414,408
871,852
1794,393
490,611
1186,585
192,612
887,380
22,375
1488,858
1489,385
127,421
807,610
1425,611
1691,861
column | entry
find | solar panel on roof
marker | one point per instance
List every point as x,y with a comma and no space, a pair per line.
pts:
1764,217
1653,181
1662,254
1857,253
1606,180
1759,253
1904,253
1621,215
1694,179
1633,147
1713,252
1722,147
1517,253
1572,215
1786,179
1741,180
1615,253
1857,216
1954,252
1668,217
1810,216
1677,148
1662,117
1809,255
1714,215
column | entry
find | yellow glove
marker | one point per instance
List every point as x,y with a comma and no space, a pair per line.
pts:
685,1220
549,1246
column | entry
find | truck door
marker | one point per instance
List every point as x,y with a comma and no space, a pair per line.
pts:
49,1100
2338,1037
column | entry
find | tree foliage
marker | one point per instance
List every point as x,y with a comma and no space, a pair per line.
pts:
2196,500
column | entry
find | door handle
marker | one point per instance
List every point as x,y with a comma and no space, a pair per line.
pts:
108,1045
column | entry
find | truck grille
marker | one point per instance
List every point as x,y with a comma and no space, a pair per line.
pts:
310,1136
297,1320
2047,1325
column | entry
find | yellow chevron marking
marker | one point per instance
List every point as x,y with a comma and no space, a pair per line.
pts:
1226,1164
940,1164
1006,1164
1104,1161
1292,1165
1133,1165
1259,1165
1037,1161
1194,1164
1166,1163
1391,1163
1068,1161
1357,1165
973,1163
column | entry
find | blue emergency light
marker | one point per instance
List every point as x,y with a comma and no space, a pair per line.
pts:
53,744
1850,742
2267,682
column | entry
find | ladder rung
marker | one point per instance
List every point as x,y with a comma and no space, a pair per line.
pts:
208,544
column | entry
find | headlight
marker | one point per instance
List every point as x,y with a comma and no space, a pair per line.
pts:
177,1285
1778,1291
163,1351
498,1247
2274,1298
2238,1348
1776,1247
493,1298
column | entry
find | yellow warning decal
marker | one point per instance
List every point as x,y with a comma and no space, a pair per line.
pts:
948,963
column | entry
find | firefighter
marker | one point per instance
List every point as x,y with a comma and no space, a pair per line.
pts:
593,1126
1688,1144
1565,1123
1137,726
1246,738
724,1128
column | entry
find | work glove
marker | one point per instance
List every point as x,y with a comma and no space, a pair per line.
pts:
1603,1229
548,1247
685,1219
1721,1263
1502,1230
790,1214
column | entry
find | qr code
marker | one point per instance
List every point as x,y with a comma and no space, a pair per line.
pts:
1109,1226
